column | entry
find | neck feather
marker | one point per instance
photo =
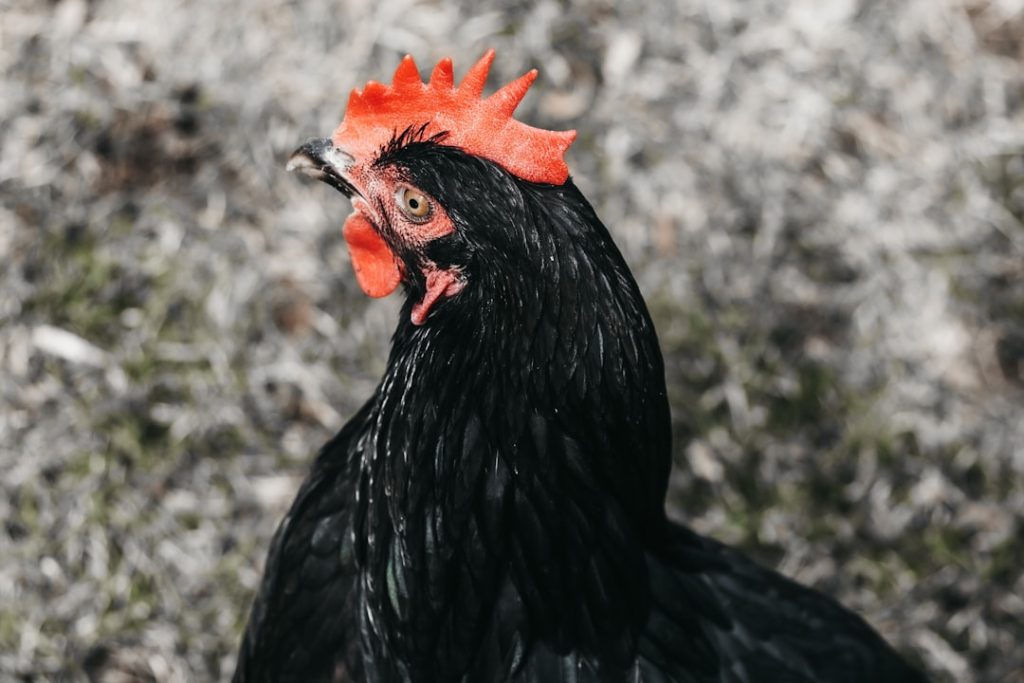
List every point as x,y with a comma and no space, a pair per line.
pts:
520,442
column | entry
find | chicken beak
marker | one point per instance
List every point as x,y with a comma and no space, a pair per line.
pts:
377,270
320,159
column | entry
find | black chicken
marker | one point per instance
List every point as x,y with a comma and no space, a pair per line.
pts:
495,512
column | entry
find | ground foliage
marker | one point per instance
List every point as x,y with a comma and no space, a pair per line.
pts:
823,202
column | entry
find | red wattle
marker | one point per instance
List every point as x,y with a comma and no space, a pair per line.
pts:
376,267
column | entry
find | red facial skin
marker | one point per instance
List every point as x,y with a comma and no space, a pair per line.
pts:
479,125
377,268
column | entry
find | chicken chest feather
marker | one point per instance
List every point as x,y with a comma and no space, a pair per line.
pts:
495,511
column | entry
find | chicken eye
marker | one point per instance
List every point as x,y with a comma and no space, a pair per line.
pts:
412,203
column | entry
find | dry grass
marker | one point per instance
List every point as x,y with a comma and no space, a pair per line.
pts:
823,202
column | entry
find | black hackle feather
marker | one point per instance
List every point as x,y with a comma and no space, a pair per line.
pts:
495,511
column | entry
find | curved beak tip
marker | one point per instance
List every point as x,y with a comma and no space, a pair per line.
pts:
320,159
319,153
298,161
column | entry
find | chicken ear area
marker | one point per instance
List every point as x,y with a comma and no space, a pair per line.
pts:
375,264
439,283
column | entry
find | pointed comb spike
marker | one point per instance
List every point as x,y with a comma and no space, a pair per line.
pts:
373,96
508,98
407,74
442,76
475,79
483,127
355,102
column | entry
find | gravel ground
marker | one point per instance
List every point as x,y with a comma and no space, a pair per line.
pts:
822,200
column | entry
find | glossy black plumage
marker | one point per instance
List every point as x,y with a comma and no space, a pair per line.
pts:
495,511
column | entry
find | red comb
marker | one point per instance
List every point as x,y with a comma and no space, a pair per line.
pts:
483,127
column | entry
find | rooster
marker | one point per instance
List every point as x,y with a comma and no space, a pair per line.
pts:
495,510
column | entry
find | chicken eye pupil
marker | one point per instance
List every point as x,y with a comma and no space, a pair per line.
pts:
413,204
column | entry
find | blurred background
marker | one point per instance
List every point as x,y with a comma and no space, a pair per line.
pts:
823,202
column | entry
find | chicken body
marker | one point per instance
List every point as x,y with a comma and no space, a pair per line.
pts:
495,511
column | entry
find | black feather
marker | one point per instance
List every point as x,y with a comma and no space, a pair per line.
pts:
495,511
